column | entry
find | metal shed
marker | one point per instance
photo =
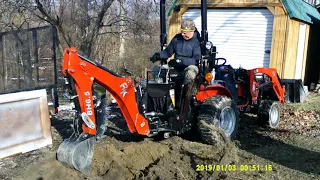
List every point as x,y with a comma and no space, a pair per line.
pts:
255,33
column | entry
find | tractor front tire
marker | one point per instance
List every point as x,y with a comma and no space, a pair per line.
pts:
218,118
269,113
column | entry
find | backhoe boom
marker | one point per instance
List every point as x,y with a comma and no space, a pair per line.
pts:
84,73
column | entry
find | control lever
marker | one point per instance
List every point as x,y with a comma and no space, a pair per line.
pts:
67,96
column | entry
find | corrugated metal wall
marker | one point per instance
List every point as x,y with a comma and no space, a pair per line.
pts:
242,36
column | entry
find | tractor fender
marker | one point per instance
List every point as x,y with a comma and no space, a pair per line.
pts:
212,90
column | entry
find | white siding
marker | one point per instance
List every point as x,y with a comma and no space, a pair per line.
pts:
300,50
241,35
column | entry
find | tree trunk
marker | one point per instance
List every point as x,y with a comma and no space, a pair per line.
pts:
122,40
85,47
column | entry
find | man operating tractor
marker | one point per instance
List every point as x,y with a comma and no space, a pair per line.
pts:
168,108
186,49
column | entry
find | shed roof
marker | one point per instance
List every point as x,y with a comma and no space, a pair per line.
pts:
301,10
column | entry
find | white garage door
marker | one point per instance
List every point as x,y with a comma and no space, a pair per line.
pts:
242,36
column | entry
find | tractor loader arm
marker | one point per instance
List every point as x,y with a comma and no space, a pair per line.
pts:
84,72
274,80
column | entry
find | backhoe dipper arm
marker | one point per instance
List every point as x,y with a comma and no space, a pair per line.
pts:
84,73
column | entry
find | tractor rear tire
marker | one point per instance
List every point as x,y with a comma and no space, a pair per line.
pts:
269,113
218,118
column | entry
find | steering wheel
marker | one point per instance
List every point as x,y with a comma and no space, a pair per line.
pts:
217,60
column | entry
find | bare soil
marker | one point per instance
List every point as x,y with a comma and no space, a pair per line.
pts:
292,151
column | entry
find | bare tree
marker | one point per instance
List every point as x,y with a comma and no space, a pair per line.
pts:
100,29
79,22
122,40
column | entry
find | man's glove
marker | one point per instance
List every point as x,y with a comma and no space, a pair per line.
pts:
177,63
155,57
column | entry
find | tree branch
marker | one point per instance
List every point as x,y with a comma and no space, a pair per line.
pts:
105,7
48,18
52,21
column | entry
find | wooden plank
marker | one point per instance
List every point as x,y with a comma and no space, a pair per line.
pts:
306,43
45,121
274,43
231,3
278,40
271,9
291,50
283,32
174,27
175,22
282,40
25,122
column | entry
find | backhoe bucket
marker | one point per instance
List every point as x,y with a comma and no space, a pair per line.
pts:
77,153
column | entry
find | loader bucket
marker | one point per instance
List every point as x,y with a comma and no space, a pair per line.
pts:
77,153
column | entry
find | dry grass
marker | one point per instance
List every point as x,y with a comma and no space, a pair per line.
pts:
311,103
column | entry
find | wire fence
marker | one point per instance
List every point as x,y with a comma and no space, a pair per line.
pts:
28,59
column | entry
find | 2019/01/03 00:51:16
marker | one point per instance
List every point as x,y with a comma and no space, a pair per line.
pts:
232,167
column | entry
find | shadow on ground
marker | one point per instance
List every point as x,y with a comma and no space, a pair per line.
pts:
63,127
253,140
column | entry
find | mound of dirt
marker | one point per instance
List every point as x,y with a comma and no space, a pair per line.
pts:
128,160
174,158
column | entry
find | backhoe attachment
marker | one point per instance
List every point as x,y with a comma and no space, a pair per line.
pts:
90,125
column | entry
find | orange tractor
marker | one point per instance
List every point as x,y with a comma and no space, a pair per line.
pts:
168,107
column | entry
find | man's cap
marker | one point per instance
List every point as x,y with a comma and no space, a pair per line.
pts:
187,25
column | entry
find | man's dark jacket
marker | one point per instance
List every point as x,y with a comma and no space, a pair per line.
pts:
186,50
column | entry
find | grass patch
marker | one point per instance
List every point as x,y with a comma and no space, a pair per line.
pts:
296,157
312,103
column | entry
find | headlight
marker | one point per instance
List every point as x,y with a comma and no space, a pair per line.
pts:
209,45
